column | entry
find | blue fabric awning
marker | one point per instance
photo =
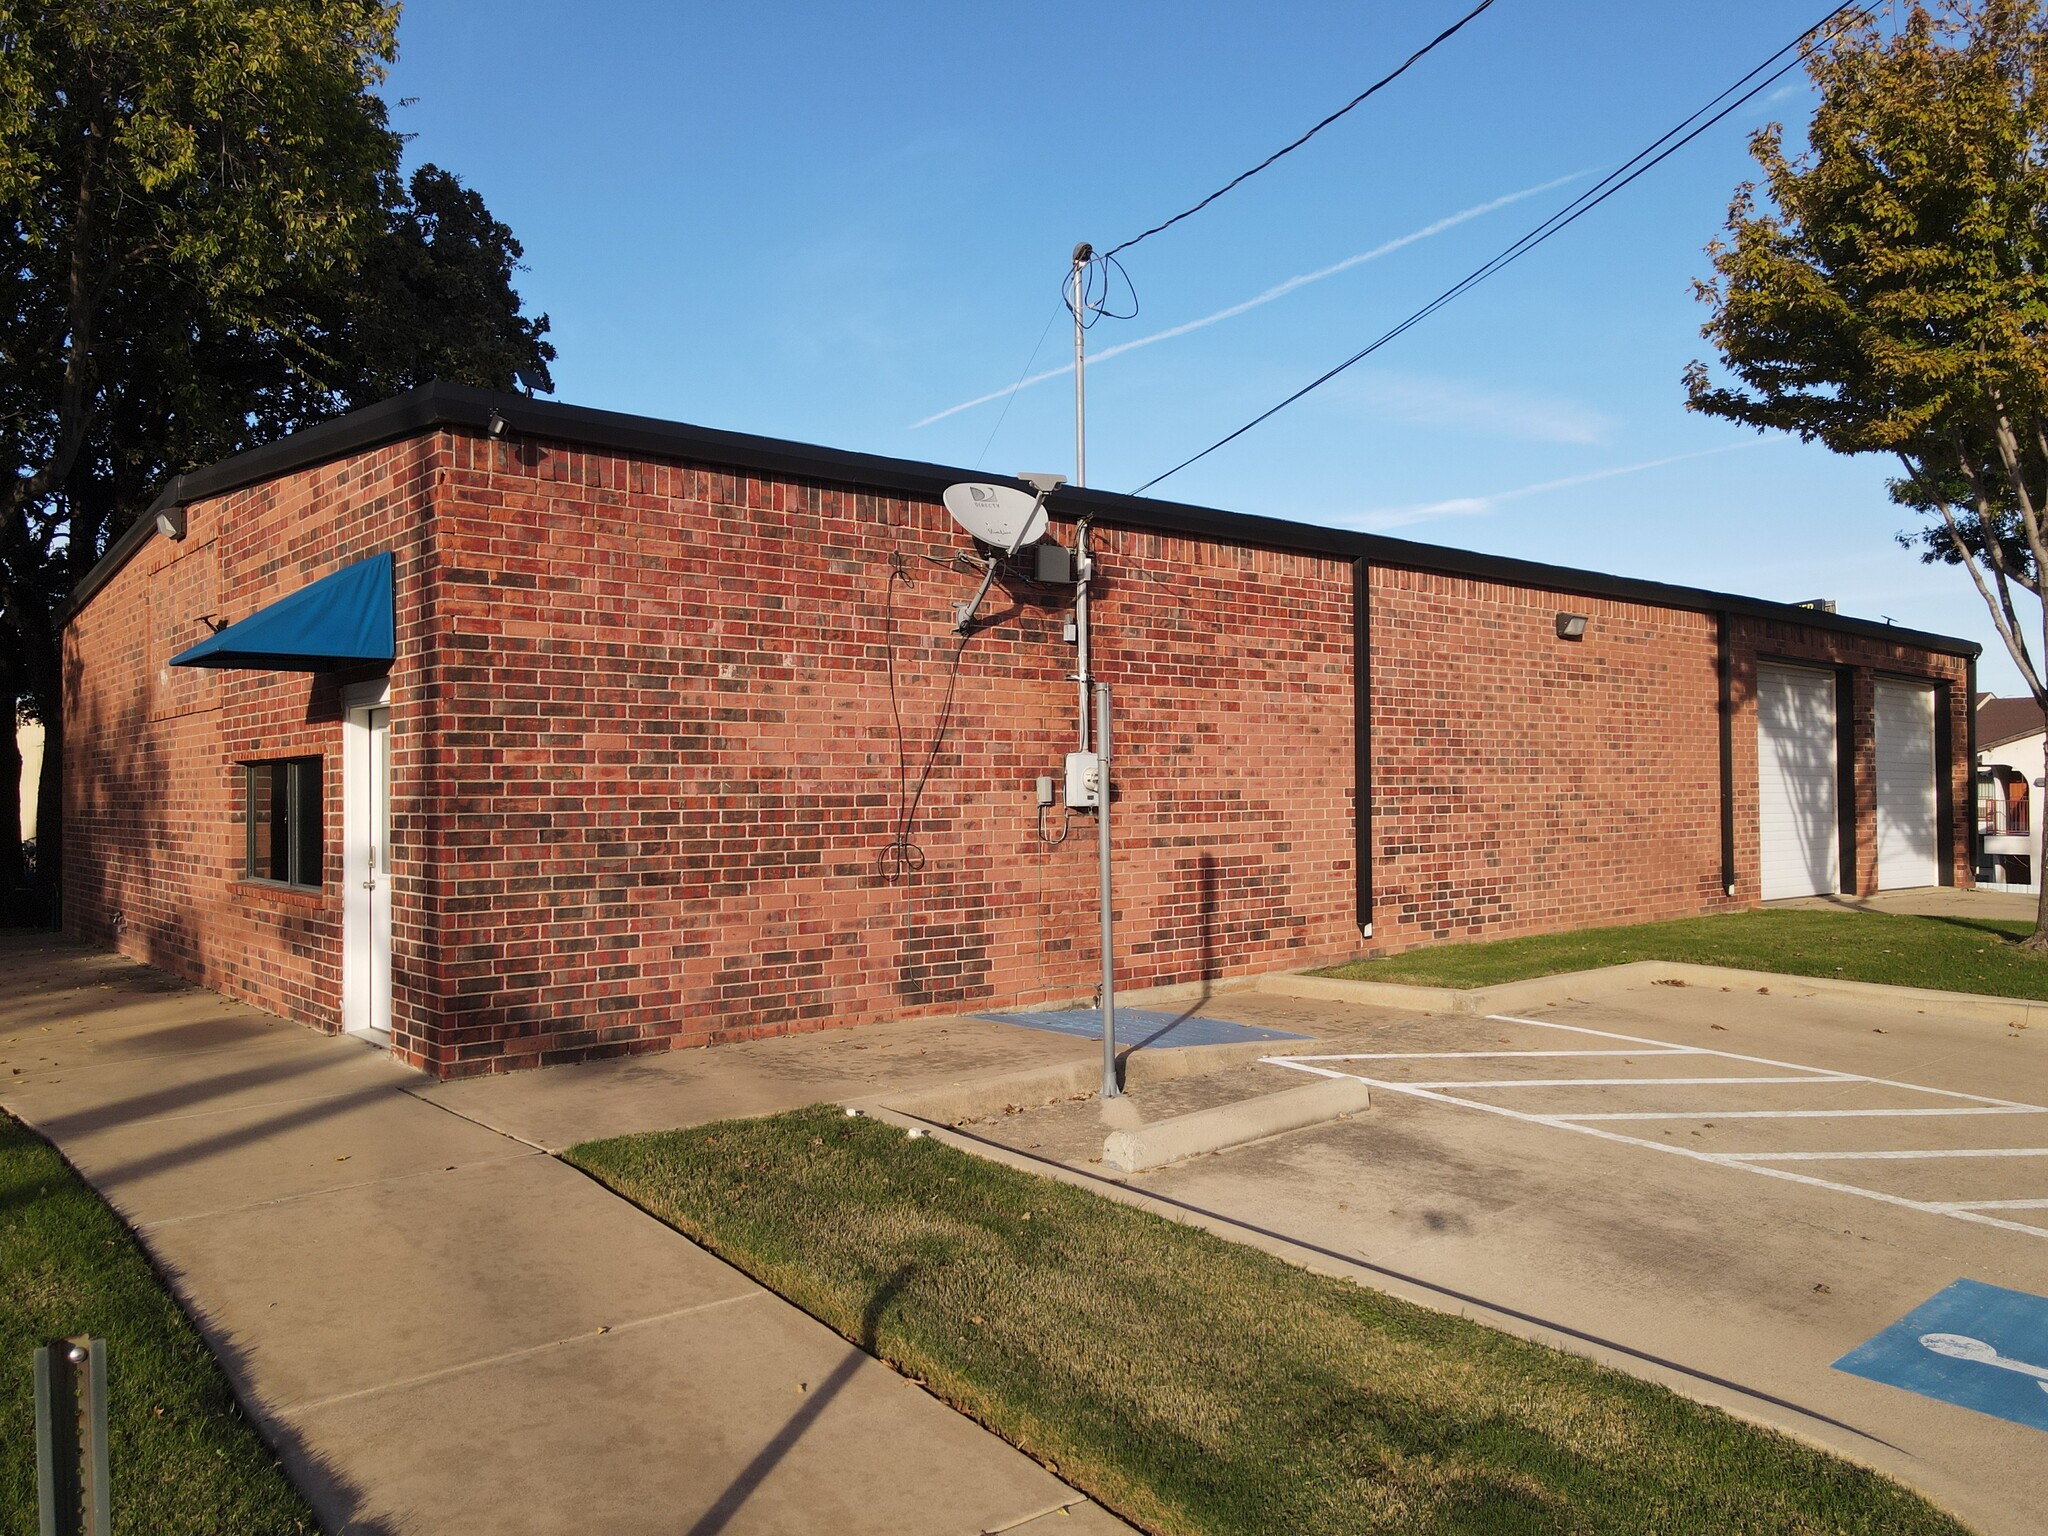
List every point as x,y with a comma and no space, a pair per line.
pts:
336,622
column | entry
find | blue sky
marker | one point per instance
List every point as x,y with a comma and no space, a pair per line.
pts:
834,223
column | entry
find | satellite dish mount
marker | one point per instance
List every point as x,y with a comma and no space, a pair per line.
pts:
1002,519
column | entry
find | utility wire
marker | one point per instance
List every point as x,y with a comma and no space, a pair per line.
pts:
1374,88
1653,154
1011,397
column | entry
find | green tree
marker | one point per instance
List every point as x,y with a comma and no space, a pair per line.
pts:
210,245
1887,292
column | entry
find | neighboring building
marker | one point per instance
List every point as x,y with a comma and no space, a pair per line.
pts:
28,741
2012,776
561,733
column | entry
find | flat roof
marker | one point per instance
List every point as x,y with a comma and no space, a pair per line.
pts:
432,406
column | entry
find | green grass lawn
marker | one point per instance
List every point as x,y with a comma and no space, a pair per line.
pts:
1198,1386
181,1456
1958,954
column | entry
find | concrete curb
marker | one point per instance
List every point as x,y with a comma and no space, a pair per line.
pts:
1787,1418
1232,1125
978,1098
1607,981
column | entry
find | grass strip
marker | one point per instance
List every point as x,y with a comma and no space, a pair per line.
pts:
1198,1386
180,1455
1956,954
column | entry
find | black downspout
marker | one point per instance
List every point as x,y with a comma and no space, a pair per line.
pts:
1976,826
1945,781
1361,738
1845,776
1724,662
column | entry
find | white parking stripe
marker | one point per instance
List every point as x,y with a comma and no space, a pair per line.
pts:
1676,1050
1808,1114
1874,1157
1617,1082
1747,1162
1766,1061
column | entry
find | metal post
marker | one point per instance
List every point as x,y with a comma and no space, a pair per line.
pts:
1110,1090
1083,254
71,1438
1084,677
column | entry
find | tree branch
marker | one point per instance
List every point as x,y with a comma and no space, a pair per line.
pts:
2009,454
2003,617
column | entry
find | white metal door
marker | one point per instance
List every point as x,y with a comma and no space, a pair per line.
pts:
1907,854
1798,819
366,881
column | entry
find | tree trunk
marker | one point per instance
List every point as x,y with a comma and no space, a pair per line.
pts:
42,673
2038,939
47,889
11,872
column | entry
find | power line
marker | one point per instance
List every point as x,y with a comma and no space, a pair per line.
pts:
1653,154
1011,397
1374,88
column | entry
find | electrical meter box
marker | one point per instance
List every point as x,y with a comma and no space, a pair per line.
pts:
1084,780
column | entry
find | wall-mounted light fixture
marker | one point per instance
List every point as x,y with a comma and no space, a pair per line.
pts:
1571,626
496,425
171,523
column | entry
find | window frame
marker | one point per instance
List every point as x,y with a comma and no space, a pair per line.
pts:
299,798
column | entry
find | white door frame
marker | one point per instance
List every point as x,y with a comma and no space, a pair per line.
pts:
365,1005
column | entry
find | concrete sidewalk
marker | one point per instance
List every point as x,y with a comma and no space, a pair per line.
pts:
1985,901
444,1329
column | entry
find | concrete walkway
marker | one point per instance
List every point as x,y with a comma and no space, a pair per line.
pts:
1924,901
442,1328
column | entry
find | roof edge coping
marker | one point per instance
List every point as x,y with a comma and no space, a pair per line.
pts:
439,404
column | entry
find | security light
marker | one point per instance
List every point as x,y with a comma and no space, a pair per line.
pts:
1571,626
171,523
496,425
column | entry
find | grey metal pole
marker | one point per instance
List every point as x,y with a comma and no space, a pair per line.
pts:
71,1438
1084,677
1083,254
1110,1090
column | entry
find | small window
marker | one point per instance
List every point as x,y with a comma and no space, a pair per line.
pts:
282,814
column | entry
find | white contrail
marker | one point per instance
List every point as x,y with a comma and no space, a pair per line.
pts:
1471,506
1277,291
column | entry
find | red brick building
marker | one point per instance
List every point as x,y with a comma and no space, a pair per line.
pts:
676,742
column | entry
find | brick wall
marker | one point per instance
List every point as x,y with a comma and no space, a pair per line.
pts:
671,767
153,850
1523,783
658,727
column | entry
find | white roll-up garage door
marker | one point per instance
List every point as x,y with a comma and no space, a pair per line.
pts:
1907,854
1798,830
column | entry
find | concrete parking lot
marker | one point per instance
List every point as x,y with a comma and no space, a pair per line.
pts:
1723,1190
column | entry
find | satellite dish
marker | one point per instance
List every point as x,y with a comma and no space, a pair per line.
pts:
998,515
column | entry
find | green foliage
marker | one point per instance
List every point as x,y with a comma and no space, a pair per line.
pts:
433,299
182,1458
1196,1385
1888,291
1895,285
208,244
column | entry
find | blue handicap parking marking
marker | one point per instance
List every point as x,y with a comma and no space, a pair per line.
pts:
1978,1346
1137,1028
